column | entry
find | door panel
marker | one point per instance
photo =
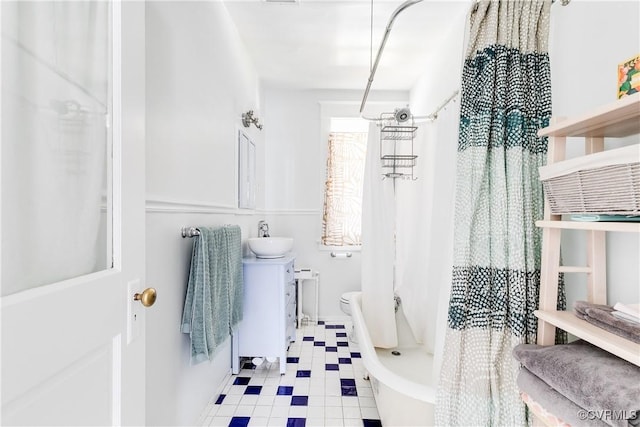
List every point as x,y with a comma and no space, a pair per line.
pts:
87,384
43,334
61,353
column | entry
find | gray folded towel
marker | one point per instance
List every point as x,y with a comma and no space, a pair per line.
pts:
581,307
602,317
554,402
588,376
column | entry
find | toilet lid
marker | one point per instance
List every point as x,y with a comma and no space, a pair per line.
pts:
345,297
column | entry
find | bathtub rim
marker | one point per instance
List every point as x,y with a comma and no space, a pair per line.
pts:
373,365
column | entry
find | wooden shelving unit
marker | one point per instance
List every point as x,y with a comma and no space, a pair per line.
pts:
625,227
615,120
618,119
612,343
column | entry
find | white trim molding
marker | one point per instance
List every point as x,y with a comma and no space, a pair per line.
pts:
158,204
166,205
291,212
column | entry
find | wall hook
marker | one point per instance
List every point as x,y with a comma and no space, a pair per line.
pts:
247,119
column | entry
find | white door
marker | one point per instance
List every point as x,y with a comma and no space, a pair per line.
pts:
72,213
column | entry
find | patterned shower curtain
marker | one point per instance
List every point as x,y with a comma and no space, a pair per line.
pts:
506,98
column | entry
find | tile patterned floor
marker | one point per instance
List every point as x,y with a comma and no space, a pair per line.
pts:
323,386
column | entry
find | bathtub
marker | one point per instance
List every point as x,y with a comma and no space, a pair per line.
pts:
403,386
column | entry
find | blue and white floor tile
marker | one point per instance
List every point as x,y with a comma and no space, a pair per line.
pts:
323,386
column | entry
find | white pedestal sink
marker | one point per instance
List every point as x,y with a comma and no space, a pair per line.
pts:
270,247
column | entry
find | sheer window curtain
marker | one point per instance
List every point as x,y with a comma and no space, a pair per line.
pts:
506,98
342,214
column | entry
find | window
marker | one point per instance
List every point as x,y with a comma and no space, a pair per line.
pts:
342,213
57,136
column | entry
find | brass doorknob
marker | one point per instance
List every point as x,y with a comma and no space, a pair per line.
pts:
147,297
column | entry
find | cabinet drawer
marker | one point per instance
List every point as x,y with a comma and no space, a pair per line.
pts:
289,273
290,321
290,313
291,331
289,293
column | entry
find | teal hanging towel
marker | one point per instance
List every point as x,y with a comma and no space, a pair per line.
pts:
213,304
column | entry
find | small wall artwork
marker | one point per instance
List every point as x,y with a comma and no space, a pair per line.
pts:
629,77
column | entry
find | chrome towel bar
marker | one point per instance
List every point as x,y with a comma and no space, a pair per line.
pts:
190,232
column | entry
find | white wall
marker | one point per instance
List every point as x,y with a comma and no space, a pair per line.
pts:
296,133
176,391
588,40
444,74
199,82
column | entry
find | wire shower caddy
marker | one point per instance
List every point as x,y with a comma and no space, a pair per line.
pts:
397,147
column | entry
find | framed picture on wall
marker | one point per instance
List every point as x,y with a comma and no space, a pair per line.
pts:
246,172
629,76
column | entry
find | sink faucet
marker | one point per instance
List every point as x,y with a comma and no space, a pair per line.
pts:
263,229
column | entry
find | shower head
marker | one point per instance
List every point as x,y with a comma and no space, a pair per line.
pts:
402,114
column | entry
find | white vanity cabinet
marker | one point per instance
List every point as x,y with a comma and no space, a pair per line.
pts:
269,310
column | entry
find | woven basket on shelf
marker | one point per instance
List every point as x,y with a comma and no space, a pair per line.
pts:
610,188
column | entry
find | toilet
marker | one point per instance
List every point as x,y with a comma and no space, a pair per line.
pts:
344,302
345,306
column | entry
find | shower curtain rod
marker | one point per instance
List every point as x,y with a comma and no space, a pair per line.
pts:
562,2
400,8
439,108
432,116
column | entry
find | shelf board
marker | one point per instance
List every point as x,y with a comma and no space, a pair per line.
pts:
541,417
627,227
617,119
612,343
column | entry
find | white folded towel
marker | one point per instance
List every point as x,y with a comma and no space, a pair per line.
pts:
630,309
625,316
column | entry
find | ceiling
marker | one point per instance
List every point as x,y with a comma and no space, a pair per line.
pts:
326,44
